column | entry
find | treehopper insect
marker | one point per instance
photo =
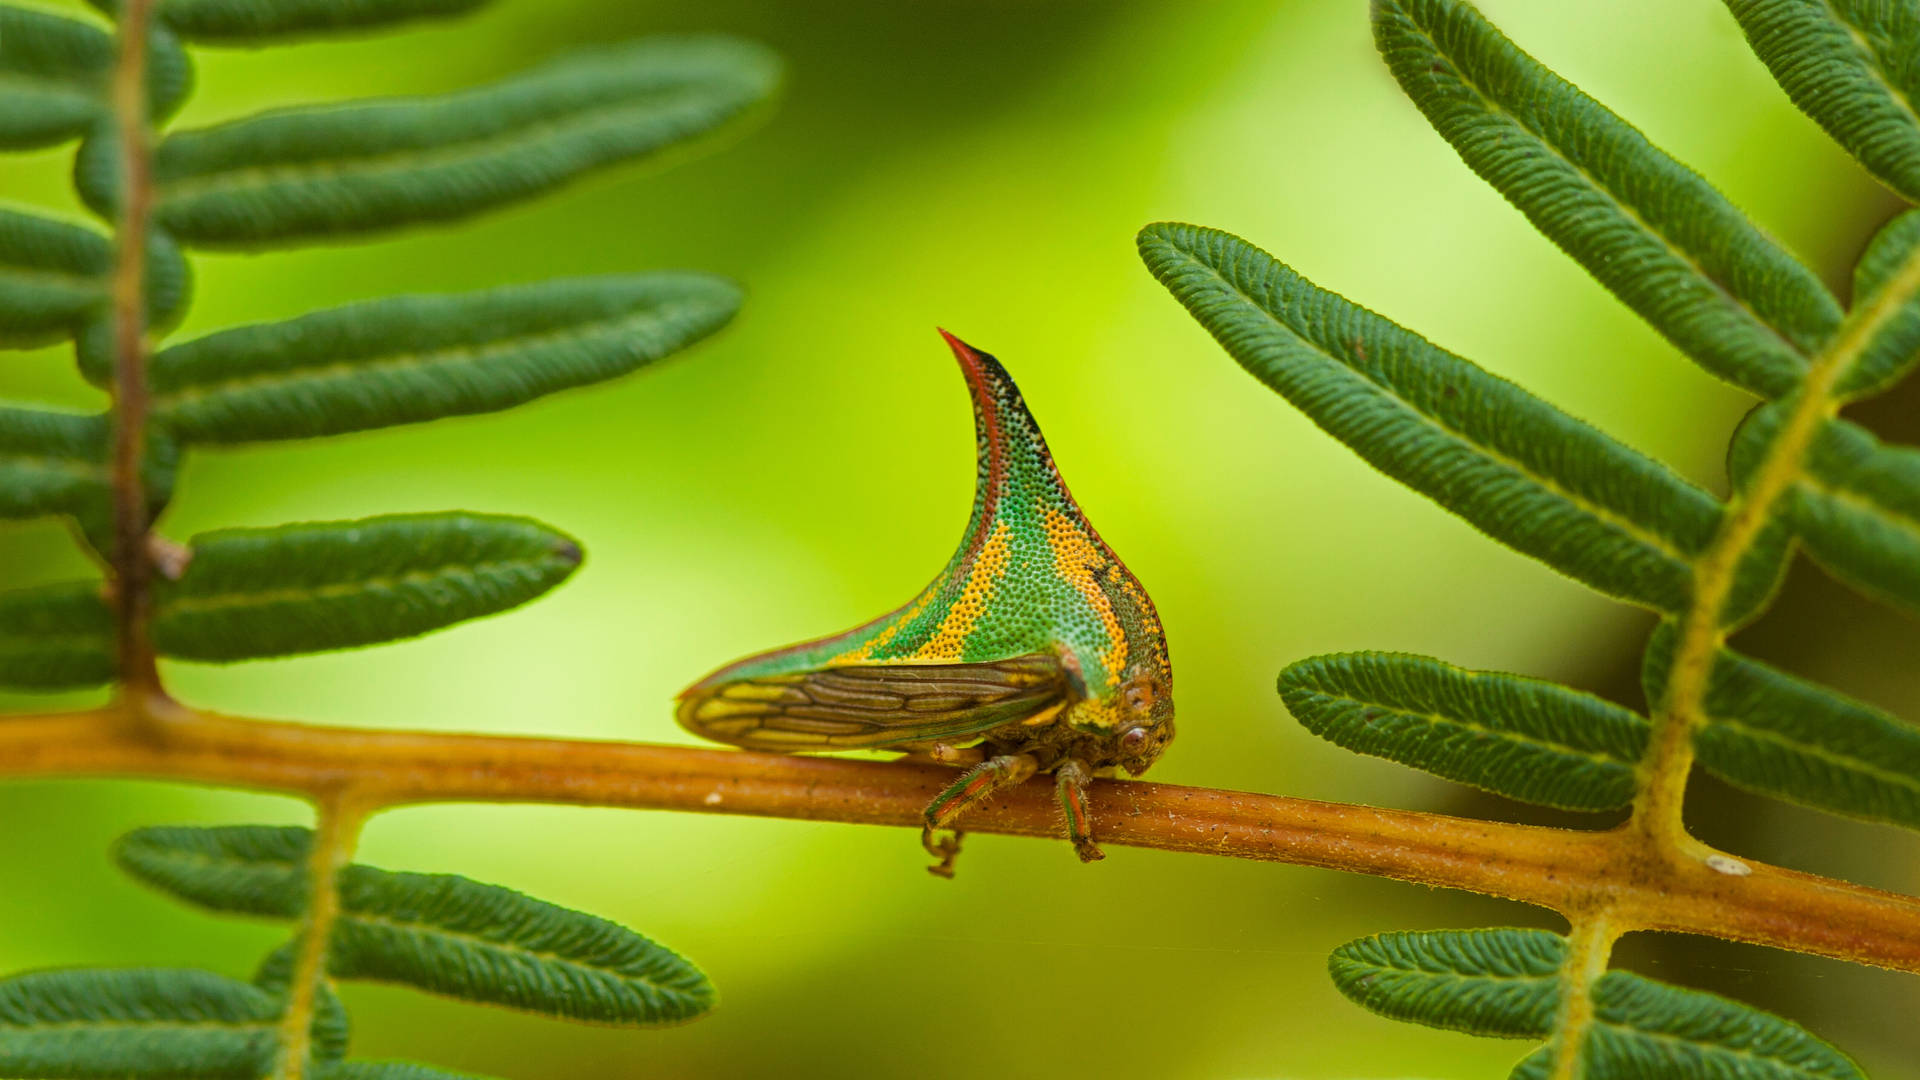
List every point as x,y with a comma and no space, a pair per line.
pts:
1035,650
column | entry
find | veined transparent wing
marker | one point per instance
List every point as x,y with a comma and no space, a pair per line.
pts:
873,705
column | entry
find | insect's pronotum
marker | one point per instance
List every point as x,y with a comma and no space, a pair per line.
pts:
1035,650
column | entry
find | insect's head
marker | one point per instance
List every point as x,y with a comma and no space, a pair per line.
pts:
1145,715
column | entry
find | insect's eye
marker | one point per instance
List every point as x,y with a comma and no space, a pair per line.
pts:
1134,740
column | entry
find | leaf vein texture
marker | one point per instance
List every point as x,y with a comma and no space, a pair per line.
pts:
1524,738
1522,471
1650,229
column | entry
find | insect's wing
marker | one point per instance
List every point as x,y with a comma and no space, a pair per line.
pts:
873,705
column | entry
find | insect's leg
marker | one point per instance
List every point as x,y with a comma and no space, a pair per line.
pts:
944,754
951,755
974,785
1070,784
945,848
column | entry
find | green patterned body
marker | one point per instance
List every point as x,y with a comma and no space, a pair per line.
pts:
1031,578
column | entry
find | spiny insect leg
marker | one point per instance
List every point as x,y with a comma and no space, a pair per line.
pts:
974,785
1070,785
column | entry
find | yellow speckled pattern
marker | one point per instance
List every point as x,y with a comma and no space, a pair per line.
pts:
1081,561
949,641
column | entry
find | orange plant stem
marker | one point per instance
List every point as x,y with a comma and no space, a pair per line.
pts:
1573,872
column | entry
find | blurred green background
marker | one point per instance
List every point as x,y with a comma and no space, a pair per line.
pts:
983,165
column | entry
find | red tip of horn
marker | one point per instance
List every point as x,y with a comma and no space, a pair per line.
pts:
960,348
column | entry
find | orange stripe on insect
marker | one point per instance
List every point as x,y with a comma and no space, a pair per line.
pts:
989,566
1079,559
955,799
1073,807
898,620
1044,716
980,783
